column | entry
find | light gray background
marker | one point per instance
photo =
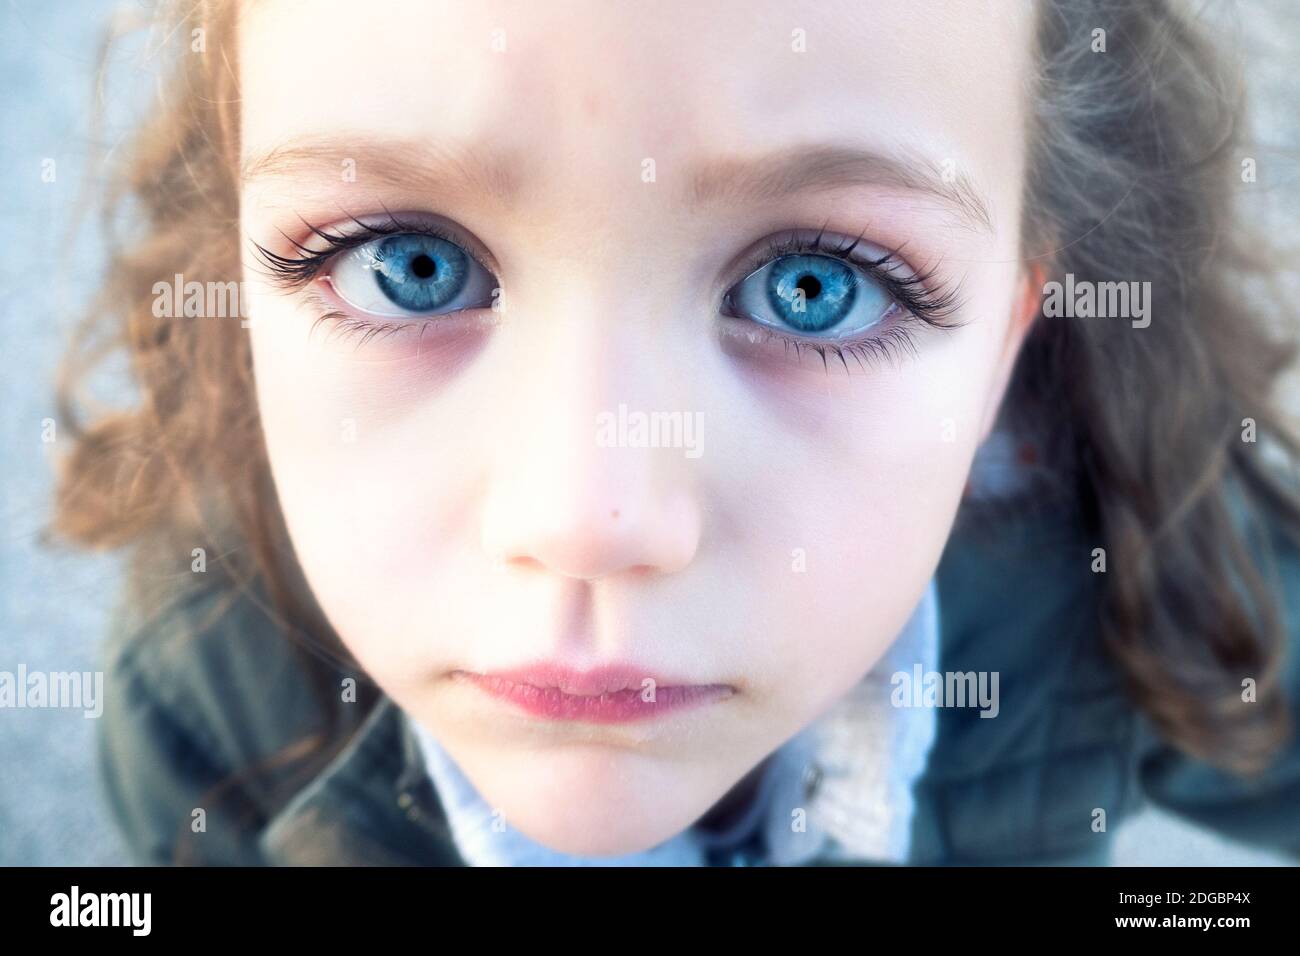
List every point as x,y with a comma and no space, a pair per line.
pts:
53,603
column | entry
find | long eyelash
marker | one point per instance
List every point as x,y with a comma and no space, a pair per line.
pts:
343,327
920,294
891,345
917,294
297,271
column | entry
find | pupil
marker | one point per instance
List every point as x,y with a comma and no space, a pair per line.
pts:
811,287
423,267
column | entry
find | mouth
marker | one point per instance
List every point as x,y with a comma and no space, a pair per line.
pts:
606,695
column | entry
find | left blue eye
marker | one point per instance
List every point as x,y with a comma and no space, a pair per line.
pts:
811,294
411,274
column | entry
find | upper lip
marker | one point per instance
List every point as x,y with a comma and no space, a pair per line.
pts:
590,682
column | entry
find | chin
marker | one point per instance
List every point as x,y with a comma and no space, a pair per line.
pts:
594,828
594,805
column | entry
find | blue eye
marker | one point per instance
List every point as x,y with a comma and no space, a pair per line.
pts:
812,294
411,274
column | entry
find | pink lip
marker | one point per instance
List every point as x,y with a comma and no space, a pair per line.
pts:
610,694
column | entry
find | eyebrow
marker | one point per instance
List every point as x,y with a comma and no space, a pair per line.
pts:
433,167
419,164
816,168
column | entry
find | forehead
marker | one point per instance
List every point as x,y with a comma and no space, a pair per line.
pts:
582,91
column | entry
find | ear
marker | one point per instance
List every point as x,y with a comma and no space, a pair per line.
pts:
1025,309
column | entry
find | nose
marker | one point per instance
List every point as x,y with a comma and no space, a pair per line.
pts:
593,529
566,504
567,495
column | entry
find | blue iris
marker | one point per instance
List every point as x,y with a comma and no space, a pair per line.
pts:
420,273
811,293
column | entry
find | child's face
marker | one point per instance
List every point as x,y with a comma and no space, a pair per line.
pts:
460,486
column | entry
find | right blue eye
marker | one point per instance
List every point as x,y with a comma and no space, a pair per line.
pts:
411,274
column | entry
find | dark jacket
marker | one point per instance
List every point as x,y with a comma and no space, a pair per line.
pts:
202,702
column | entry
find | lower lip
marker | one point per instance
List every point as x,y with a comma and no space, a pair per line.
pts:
617,707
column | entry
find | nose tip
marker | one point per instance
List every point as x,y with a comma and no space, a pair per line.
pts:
597,536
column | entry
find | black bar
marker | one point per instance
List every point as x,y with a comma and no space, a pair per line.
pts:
442,905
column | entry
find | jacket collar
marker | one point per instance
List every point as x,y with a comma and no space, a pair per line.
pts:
372,805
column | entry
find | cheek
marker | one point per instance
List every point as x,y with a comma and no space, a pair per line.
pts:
854,483
377,509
